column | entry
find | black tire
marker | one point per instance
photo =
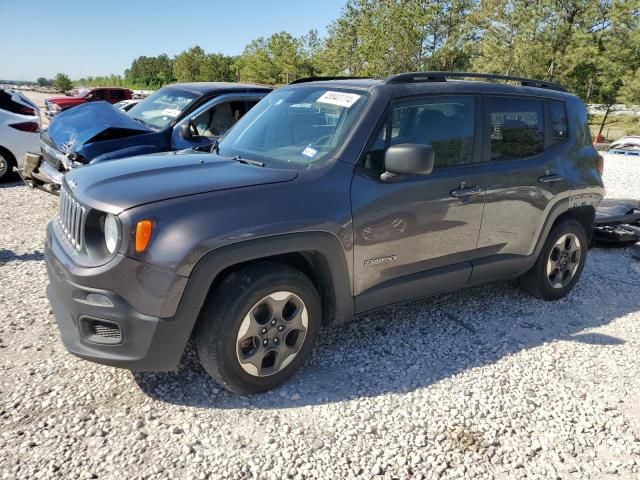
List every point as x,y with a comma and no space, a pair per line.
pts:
536,281
226,309
7,162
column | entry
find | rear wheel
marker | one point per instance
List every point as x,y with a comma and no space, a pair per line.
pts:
6,165
258,327
560,262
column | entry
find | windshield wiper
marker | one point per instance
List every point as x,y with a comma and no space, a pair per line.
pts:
248,161
143,123
215,148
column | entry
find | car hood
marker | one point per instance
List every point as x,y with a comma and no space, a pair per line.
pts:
65,100
122,184
92,122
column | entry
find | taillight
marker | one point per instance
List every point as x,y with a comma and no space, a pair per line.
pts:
32,127
27,111
600,164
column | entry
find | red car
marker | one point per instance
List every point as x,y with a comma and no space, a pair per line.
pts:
55,105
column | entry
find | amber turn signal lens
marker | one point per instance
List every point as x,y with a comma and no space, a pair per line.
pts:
143,235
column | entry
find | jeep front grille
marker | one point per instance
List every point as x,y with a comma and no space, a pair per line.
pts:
71,217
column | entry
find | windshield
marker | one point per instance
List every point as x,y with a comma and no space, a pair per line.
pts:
295,127
160,108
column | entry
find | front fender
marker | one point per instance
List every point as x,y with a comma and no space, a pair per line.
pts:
126,152
325,245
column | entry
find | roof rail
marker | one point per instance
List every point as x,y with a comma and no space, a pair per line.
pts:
321,79
442,77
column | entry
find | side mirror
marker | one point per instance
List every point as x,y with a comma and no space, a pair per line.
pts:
407,159
186,131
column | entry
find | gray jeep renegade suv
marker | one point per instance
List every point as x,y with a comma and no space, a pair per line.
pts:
329,198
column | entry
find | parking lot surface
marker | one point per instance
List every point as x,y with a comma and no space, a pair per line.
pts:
483,383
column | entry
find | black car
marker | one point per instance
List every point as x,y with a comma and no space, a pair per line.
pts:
178,116
328,199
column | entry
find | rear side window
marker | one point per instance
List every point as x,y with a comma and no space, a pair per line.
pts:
516,127
117,95
445,123
558,121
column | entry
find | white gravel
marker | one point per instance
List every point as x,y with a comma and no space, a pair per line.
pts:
485,383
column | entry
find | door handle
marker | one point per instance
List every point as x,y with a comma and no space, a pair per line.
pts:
466,192
553,177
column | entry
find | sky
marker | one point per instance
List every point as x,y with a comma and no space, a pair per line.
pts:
40,38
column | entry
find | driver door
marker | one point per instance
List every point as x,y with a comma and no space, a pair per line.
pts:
417,235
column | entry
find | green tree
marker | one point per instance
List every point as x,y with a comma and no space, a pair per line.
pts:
150,72
217,67
43,82
380,37
630,90
194,65
188,64
62,82
280,59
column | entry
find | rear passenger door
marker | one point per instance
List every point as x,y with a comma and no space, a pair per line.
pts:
417,235
524,173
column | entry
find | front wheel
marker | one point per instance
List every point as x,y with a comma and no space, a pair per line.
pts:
258,327
560,262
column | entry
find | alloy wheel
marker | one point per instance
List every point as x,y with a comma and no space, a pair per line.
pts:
564,260
272,334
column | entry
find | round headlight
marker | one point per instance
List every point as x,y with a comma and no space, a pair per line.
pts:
111,233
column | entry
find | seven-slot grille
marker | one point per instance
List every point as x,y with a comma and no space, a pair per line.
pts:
71,217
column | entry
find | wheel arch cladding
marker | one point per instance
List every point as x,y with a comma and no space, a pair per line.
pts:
319,255
584,214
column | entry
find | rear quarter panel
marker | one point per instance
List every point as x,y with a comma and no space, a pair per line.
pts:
580,163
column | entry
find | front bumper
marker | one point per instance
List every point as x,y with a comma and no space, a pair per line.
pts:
37,173
100,325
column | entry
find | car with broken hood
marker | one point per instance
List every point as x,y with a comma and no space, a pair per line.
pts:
176,117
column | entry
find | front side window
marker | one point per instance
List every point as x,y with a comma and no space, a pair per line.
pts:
216,121
160,108
297,127
516,127
446,123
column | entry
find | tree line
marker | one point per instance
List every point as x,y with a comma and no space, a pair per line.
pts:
590,46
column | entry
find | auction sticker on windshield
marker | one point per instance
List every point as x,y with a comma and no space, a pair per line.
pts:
309,152
340,99
170,112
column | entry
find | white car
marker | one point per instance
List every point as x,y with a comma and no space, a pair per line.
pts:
19,131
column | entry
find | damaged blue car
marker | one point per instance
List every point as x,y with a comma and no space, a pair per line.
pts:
176,117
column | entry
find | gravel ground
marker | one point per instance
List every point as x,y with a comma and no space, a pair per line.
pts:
485,383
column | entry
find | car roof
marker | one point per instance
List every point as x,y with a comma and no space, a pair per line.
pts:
209,87
427,87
